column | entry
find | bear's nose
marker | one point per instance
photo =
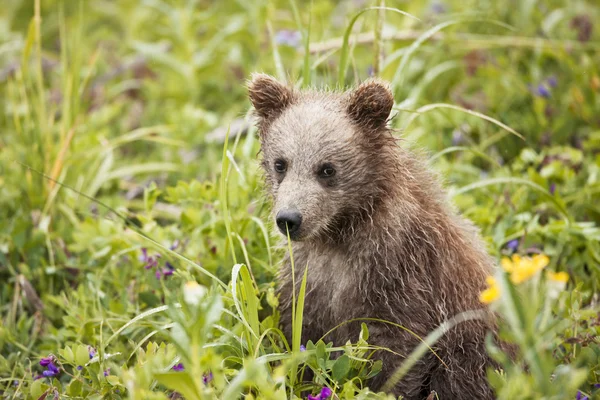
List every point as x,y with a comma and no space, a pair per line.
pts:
290,219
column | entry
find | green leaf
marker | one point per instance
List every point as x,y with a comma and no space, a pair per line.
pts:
67,355
75,387
82,355
341,367
113,380
180,382
38,388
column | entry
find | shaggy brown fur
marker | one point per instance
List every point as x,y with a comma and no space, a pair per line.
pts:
378,236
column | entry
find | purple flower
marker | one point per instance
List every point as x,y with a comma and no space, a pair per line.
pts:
107,372
144,257
552,188
44,362
302,347
206,378
325,393
16,382
288,38
581,396
174,245
552,81
457,137
542,91
158,274
370,71
79,368
52,370
438,8
596,385
91,351
168,271
513,245
178,367
149,261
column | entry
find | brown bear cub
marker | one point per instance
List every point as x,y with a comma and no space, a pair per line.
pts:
378,236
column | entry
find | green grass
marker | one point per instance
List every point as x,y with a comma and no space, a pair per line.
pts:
107,107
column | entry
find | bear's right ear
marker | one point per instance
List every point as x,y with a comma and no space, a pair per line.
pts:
268,96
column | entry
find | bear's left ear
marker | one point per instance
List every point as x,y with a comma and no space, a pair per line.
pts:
370,104
269,96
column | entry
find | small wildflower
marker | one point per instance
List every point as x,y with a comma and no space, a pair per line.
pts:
370,71
79,368
325,393
174,245
438,8
492,293
207,378
168,271
561,277
552,188
178,367
523,268
52,370
513,245
149,261
581,396
44,362
16,382
107,372
92,352
193,293
288,38
457,137
144,256
552,81
302,347
557,281
542,91
158,274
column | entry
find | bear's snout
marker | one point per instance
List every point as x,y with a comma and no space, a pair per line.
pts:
289,221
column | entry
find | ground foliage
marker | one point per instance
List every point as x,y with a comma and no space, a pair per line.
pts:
137,258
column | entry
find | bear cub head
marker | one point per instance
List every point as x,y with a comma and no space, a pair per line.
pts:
323,154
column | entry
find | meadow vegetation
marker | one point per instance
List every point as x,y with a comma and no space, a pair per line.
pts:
137,255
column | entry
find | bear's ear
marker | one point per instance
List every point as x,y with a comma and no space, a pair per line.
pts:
268,96
371,103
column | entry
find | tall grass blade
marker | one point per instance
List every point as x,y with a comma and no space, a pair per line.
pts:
344,56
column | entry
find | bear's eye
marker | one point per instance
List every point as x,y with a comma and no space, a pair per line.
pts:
280,166
327,171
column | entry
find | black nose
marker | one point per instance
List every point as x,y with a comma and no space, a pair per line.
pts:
290,219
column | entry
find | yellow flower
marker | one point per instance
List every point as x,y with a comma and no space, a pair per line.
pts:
561,277
492,293
523,268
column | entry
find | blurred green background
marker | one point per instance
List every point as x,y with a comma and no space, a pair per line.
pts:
129,103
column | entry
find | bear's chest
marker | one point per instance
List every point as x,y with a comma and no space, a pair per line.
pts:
331,287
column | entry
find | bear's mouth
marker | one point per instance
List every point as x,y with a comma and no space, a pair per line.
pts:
296,236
